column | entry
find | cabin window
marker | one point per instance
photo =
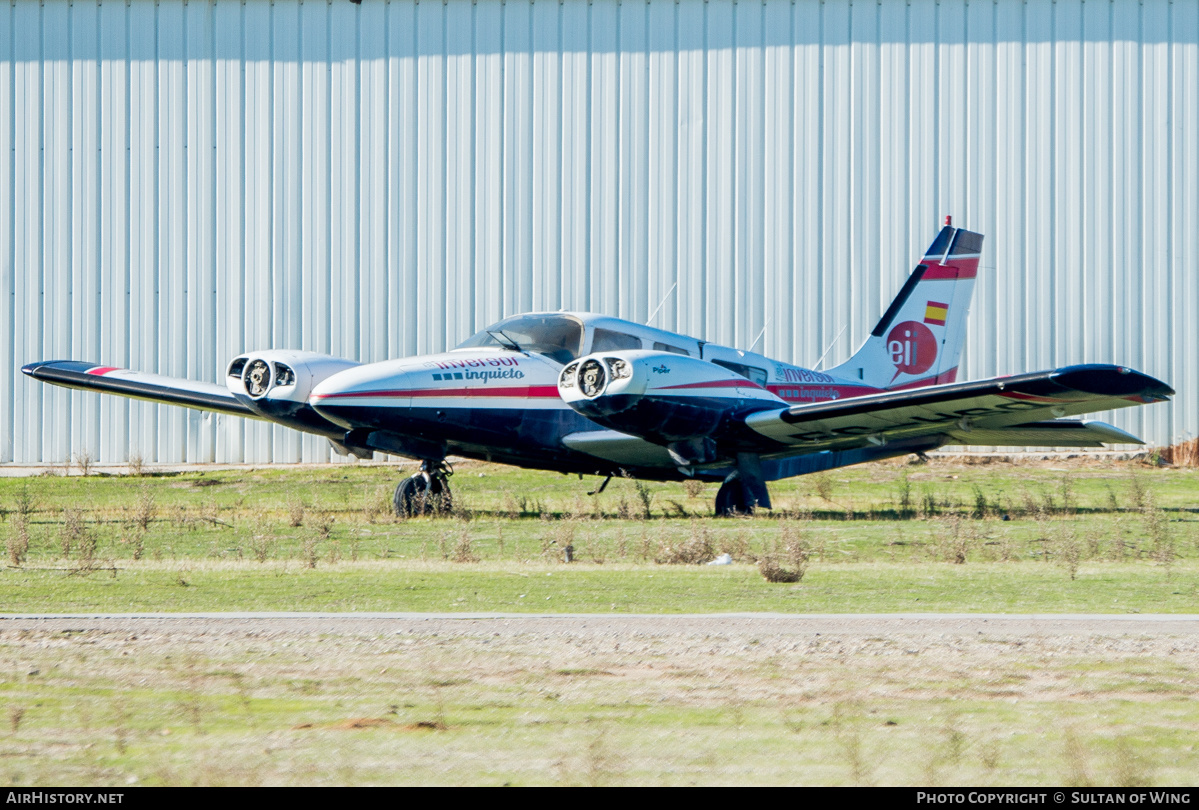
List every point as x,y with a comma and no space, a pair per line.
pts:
666,347
556,336
608,340
751,373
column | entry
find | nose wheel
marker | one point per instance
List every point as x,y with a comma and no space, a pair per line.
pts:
427,492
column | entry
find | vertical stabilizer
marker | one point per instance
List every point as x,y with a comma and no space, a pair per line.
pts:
918,341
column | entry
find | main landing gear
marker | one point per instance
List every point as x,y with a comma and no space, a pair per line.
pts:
427,492
743,491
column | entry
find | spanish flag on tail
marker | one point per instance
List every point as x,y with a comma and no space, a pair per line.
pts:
935,313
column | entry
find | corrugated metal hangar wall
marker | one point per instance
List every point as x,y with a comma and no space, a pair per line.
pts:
182,181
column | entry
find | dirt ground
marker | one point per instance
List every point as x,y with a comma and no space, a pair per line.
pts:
404,699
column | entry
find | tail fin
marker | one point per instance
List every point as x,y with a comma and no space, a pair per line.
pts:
919,339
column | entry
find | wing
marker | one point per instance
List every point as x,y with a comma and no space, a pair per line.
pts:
998,411
139,385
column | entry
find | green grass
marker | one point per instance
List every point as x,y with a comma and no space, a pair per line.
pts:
1088,537
585,588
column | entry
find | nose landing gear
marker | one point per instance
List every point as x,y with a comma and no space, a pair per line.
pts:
427,492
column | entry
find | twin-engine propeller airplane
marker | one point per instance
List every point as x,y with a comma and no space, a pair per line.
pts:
583,393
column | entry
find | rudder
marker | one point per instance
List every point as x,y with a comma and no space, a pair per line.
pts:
919,339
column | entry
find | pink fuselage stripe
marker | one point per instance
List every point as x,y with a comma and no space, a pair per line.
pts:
102,370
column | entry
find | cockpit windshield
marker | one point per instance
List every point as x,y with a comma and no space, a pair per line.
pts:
558,336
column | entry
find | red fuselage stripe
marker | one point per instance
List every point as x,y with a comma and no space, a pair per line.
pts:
514,391
713,384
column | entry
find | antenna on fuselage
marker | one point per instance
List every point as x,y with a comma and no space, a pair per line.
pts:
650,319
830,348
759,337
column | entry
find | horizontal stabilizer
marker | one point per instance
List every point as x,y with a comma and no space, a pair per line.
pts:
203,396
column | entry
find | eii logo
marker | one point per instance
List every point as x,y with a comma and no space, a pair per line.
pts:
662,369
912,347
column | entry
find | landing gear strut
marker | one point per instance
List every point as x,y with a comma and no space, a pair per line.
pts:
743,491
427,492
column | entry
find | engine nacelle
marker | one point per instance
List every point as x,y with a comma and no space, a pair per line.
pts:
277,384
665,398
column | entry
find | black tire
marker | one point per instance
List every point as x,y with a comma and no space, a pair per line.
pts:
417,496
733,499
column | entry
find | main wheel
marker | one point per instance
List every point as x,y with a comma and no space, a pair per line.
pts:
421,495
734,498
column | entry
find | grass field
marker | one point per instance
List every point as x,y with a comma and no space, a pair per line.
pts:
943,536
152,705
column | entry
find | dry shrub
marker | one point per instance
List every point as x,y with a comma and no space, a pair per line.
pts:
695,550
1068,548
15,713
645,495
788,560
84,460
1183,454
25,502
739,549
311,553
71,534
957,541
18,540
824,486
1157,526
324,525
146,510
295,512
463,549
376,503
561,536
694,487
137,465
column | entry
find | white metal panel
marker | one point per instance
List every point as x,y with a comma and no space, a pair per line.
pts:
185,181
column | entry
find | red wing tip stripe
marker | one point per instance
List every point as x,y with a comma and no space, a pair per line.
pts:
102,370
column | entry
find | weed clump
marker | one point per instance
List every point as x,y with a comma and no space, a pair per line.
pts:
145,510
697,549
789,559
464,549
295,512
18,541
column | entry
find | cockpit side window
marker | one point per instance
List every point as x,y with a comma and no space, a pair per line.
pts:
609,340
556,336
666,347
752,373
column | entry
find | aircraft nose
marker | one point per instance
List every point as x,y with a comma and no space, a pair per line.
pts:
362,396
